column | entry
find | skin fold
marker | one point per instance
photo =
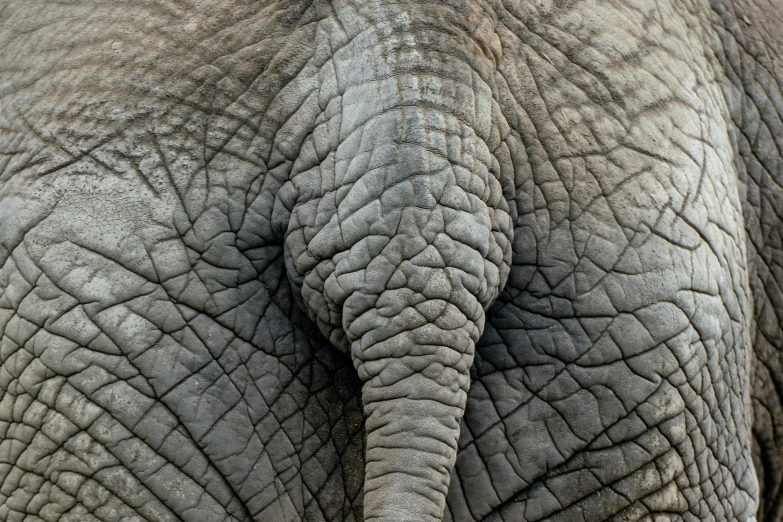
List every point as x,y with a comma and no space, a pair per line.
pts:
391,261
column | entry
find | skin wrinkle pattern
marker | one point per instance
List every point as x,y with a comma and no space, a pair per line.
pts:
351,260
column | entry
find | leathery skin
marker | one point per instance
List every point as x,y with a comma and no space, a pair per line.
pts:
391,261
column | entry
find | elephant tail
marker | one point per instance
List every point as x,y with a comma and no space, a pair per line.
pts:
401,238
400,281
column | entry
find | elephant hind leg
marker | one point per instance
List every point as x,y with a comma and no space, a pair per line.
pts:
80,428
756,115
612,377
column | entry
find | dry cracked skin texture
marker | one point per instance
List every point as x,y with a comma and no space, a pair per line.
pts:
248,249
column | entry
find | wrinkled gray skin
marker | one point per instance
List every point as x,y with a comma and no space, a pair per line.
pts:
392,261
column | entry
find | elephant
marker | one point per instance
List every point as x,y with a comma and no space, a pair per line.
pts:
497,260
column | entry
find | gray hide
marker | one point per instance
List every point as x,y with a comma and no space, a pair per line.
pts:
500,260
